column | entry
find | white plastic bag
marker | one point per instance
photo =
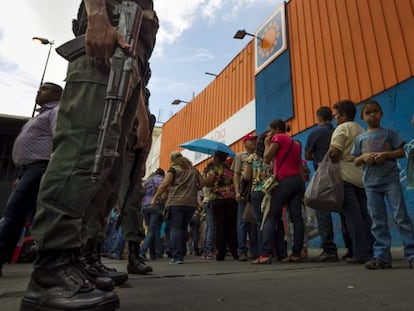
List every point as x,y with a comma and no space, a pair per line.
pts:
325,190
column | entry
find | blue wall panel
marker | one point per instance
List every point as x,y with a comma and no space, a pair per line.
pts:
398,106
274,92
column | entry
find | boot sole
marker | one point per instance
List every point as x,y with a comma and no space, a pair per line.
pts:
142,272
32,305
120,280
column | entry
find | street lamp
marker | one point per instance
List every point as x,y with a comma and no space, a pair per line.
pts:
179,101
43,41
211,74
241,33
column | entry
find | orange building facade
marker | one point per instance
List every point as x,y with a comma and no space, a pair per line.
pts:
335,50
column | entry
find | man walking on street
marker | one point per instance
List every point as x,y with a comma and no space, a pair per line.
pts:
31,153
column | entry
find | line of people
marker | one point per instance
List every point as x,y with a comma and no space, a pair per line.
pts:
368,166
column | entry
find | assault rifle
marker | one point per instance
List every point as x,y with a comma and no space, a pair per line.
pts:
123,77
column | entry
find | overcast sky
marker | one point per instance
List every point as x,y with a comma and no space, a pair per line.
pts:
195,36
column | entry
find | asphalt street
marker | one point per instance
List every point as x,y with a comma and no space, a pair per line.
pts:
232,285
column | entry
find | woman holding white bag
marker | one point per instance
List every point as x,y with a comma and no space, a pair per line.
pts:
287,163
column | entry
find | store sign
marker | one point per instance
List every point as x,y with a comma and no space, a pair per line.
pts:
230,131
270,40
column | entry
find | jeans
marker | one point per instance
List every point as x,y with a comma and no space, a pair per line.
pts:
326,233
256,198
180,217
195,234
210,230
243,229
110,237
119,245
152,239
166,240
376,196
20,206
358,220
290,191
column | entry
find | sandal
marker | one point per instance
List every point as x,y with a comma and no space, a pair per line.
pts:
291,258
262,260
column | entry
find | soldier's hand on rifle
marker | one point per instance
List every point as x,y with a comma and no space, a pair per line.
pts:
101,37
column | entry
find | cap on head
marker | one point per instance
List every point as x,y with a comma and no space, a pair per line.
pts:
249,137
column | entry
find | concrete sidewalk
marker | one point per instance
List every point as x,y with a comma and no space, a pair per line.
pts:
231,285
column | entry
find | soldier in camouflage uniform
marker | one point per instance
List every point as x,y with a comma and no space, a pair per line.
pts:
59,280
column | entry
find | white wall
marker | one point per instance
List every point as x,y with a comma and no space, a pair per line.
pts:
230,131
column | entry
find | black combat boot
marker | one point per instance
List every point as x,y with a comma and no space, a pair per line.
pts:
136,264
96,268
92,274
57,283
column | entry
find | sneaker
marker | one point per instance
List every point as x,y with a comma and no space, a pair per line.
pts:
243,257
176,262
376,264
207,256
356,260
327,257
348,254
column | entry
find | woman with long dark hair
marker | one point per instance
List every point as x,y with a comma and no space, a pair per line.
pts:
286,156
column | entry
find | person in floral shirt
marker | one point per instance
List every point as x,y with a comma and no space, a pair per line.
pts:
223,204
257,171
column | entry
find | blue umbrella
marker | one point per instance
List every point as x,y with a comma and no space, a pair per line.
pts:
207,146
